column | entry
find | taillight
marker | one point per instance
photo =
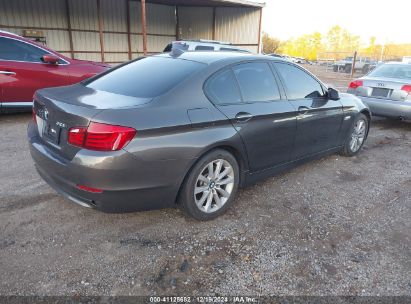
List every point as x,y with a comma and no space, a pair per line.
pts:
101,137
355,84
406,88
76,136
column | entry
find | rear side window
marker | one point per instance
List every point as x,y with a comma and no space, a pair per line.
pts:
257,82
146,78
223,88
299,84
204,48
11,49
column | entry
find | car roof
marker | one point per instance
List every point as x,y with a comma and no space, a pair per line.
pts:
209,57
9,34
397,63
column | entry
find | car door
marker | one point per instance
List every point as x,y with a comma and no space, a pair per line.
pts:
319,118
22,71
249,96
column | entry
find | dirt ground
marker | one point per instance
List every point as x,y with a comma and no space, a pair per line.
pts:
336,226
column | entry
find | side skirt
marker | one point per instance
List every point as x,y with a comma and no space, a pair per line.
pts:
254,177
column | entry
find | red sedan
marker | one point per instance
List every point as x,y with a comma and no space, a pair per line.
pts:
26,67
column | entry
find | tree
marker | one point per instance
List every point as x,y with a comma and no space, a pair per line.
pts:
270,44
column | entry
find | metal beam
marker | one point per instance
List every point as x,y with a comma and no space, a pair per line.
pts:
259,31
214,21
144,25
77,30
100,29
177,24
128,29
69,29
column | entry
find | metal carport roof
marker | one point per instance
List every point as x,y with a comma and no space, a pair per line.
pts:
249,3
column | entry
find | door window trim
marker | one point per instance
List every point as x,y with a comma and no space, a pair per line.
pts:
36,46
215,75
230,67
280,77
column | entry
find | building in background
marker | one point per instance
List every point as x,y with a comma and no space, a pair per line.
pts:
115,31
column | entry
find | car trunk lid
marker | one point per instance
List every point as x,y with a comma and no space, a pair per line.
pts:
384,88
59,109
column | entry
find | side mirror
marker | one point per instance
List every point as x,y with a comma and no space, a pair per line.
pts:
51,59
333,94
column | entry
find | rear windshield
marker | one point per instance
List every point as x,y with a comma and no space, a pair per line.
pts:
392,71
146,78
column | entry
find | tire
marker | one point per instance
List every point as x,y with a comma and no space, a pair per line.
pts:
199,205
349,149
335,68
347,68
365,69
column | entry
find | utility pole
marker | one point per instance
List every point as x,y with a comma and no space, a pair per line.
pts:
353,64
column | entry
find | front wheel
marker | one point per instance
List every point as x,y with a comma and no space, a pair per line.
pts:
211,186
357,136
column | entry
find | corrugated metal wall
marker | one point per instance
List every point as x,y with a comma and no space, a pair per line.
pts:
19,14
160,27
195,22
237,25
50,16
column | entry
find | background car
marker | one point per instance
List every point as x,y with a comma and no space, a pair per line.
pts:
386,90
203,45
26,67
363,64
187,130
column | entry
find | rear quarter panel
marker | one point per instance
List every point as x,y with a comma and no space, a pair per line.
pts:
167,140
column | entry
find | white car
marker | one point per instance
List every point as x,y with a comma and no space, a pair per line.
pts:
203,45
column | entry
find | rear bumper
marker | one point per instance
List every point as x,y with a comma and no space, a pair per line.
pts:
127,183
388,108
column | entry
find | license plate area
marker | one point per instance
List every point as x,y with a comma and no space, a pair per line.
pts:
52,133
380,92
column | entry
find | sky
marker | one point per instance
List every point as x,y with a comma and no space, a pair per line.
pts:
388,21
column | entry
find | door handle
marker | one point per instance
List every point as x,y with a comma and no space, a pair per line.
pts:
243,117
303,110
7,73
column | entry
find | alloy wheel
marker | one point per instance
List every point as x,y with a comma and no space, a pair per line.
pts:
358,135
214,186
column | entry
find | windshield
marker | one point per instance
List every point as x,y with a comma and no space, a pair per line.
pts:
146,78
392,71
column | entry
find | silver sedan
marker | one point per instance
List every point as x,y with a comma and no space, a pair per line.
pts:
386,90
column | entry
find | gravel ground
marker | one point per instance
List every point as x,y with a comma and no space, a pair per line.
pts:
336,226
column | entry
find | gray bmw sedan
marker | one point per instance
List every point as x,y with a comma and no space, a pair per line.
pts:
187,129
386,90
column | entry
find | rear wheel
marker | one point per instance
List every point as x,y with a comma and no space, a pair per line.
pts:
211,186
335,68
356,137
347,68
